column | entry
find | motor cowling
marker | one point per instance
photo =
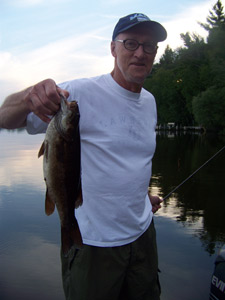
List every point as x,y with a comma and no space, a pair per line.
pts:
217,291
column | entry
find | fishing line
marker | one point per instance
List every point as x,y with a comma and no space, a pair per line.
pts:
177,187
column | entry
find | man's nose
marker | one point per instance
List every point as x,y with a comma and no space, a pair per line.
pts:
139,52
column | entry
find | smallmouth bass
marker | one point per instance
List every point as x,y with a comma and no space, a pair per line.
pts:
61,167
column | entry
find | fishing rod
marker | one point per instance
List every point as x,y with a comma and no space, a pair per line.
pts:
177,187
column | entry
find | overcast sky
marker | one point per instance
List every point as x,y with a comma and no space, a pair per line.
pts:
66,39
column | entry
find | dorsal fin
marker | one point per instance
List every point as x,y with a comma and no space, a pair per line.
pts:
42,150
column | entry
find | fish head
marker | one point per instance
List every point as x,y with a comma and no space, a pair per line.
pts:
67,119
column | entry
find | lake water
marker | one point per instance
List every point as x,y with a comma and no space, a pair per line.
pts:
190,225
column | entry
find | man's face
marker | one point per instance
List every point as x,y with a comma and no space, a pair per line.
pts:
132,67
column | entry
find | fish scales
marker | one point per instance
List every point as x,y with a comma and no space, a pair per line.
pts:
61,166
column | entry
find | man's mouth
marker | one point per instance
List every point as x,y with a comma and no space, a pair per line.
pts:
138,64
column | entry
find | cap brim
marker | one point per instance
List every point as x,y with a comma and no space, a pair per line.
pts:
158,29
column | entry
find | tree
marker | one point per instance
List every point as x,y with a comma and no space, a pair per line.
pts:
168,58
216,18
190,40
209,108
166,83
188,82
191,63
216,42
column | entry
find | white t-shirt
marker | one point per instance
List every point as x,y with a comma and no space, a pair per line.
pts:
117,129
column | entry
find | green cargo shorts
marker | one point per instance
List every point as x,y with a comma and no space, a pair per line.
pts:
128,272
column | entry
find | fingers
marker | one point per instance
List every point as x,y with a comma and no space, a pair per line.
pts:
44,99
156,203
155,208
155,200
62,92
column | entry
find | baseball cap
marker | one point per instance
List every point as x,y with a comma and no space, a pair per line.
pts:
134,19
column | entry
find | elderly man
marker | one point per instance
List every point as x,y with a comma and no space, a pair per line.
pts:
117,129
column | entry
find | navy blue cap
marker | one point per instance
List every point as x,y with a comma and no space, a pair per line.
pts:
134,19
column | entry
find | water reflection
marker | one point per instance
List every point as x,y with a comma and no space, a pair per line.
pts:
29,241
200,201
185,268
19,162
190,226
29,247
34,263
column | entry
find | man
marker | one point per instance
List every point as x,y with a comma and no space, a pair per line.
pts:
117,128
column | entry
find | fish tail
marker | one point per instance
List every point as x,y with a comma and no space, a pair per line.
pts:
71,237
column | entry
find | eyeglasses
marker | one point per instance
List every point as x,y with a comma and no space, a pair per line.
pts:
133,45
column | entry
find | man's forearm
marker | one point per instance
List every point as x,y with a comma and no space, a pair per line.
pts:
43,99
14,110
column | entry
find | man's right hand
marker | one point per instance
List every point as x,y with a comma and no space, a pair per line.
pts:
43,99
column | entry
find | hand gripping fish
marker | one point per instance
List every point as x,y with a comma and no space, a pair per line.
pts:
61,165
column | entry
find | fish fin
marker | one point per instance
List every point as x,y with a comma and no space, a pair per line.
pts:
71,237
42,150
49,204
79,200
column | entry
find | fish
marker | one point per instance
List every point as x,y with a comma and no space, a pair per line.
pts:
62,172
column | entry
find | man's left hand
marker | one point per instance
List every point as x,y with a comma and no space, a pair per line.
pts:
156,202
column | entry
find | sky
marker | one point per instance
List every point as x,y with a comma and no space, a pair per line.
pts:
67,39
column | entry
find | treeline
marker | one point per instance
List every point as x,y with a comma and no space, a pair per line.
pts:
189,82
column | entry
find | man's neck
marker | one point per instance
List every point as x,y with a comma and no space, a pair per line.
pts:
130,86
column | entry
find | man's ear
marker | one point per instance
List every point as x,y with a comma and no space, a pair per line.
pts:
113,50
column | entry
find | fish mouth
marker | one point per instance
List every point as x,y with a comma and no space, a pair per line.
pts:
72,104
66,105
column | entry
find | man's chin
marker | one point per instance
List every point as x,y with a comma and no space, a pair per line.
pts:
138,79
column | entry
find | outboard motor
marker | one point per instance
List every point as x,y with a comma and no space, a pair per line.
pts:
217,291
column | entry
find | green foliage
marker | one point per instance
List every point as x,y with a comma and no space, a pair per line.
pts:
216,18
165,86
168,58
188,82
209,108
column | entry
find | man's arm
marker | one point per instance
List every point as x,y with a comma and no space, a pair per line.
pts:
14,111
43,99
